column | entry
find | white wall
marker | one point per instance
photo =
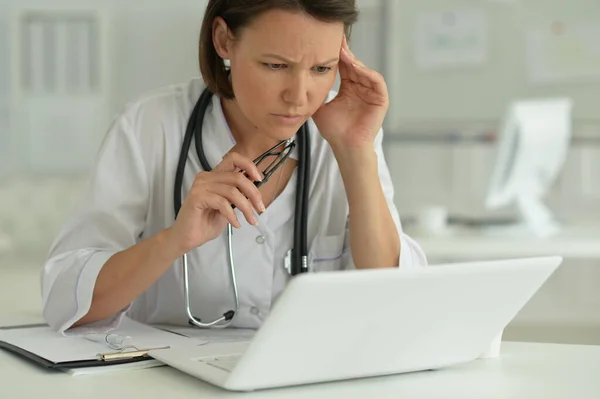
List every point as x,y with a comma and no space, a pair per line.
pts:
4,84
477,94
151,43
154,42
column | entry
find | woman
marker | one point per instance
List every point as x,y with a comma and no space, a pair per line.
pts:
271,65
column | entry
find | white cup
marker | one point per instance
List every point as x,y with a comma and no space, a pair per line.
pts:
494,349
433,219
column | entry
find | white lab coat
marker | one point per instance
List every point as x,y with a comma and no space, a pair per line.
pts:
130,198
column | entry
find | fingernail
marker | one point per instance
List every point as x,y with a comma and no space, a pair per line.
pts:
254,221
261,206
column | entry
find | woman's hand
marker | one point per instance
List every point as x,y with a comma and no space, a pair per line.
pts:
208,206
356,114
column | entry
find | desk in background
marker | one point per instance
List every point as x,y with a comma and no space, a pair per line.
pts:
465,244
566,308
524,370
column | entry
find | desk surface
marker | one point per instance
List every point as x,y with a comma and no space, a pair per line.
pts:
462,243
524,370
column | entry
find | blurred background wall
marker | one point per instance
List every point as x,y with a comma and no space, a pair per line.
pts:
452,68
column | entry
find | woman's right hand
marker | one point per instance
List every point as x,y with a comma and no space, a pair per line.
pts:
208,206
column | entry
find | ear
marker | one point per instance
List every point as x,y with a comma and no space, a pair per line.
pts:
222,39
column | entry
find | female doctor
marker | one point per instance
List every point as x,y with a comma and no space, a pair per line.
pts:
268,67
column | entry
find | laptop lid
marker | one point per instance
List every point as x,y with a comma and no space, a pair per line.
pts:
340,325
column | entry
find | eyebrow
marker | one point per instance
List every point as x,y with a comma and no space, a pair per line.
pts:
336,59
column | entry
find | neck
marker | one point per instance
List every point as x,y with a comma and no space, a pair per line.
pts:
249,140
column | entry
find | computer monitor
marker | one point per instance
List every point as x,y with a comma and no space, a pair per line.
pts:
531,150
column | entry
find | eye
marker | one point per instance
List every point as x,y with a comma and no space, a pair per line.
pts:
275,67
322,69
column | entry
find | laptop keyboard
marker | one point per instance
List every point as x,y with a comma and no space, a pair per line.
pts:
226,363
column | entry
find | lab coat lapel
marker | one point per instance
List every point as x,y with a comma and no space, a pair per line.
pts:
216,135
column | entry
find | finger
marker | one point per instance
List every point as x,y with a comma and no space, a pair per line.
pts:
371,79
353,58
237,180
249,190
345,65
359,73
235,197
236,161
243,184
223,206
347,71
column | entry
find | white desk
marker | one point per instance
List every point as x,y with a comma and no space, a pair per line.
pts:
464,244
523,371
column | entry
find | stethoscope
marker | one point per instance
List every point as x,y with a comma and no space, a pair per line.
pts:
296,259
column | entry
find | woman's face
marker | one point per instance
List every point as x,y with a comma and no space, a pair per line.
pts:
282,68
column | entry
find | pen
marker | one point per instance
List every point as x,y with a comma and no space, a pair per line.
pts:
113,340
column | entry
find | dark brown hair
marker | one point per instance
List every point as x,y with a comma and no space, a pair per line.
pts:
240,13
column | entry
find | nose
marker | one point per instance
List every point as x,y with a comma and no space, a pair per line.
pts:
295,93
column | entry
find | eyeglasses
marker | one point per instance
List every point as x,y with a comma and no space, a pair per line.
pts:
277,157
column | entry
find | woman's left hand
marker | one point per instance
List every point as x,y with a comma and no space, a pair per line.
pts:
355,115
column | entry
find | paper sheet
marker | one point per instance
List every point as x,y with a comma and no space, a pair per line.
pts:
450,39
114,368
57,348
213,335
561,51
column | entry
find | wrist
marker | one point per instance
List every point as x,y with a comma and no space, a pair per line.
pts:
341,145
168,245
356,157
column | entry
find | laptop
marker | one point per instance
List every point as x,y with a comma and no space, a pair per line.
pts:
333,326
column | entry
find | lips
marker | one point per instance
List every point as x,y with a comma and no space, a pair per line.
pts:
289,119
291,116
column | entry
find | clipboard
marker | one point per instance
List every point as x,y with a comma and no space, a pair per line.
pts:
103,357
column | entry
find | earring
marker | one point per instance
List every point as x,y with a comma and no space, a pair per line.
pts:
227,63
